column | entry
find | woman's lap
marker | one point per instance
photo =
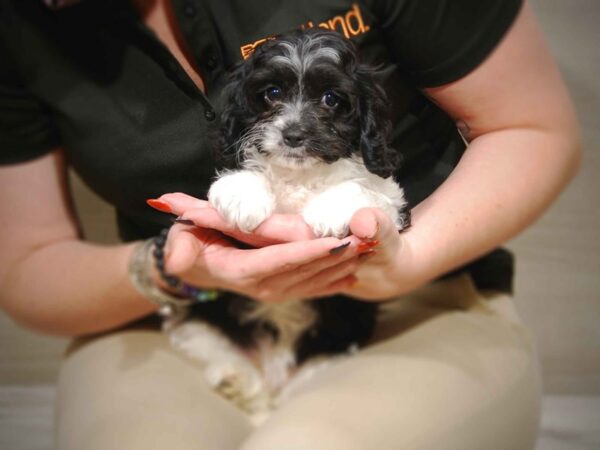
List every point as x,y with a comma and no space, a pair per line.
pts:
129,390
448,369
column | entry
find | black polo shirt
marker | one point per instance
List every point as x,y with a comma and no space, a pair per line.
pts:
94,80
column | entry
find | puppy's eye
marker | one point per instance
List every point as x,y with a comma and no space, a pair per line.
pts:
330,99
273,94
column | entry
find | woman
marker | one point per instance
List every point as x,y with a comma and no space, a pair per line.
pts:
124,94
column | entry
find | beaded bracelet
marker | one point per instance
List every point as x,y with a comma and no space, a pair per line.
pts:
186,290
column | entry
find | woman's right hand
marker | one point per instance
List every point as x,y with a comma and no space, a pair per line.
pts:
204,256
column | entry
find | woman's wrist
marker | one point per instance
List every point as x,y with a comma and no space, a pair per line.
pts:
409,270
417,259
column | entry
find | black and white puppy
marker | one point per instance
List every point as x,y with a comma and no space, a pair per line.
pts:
305,131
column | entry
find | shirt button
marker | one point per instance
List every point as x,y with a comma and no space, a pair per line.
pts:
210,115
189,10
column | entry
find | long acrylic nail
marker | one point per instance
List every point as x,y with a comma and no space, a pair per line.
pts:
340,249
159,205
183,221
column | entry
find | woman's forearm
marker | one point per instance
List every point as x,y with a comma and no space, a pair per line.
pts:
504,182
524,147
73,288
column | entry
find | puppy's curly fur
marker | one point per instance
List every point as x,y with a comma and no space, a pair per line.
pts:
304,130
326,61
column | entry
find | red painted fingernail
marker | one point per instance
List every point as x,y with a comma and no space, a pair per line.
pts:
366,246
160,205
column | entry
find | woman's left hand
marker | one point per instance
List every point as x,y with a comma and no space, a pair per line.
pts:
277,229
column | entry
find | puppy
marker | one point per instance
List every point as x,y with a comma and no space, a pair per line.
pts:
304,131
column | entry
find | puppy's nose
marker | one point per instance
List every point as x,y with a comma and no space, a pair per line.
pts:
293,136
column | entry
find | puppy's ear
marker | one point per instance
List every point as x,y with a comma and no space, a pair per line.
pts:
231,125
375,126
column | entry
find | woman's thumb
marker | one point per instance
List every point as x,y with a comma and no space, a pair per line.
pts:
372,224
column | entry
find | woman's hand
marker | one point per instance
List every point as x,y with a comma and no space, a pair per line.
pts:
374,266
202,255
388,269
277,229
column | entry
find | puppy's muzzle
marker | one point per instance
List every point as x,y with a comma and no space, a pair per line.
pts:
293,136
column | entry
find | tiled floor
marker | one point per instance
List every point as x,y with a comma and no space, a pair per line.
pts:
568,423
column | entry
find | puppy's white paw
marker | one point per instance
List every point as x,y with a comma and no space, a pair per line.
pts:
237,381
329,213
226,369
243,385
243,198
330,226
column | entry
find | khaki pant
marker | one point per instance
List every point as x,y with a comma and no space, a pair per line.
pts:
448,369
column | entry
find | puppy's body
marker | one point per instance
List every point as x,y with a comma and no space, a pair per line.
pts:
304,131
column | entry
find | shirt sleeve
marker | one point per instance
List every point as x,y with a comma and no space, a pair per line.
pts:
440,41
26,127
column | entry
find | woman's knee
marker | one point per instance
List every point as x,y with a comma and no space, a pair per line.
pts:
382,402
131,390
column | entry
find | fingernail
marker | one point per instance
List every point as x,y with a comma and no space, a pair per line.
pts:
367,255
159,205
375,233
366,246
340,249
183,221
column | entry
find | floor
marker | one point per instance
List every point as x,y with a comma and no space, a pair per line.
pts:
568,423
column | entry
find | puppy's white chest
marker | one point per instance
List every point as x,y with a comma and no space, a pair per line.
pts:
290,197
326,195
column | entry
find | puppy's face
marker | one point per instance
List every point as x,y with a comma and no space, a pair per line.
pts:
304,99
304,104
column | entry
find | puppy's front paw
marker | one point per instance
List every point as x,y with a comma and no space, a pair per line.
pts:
243,198
326,223
330,212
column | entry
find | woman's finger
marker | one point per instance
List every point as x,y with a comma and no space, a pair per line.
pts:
257,264
319,282
285,228
181,250
289,279
277,229
177,203
186,245
337,287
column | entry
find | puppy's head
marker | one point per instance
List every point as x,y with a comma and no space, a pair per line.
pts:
304,98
